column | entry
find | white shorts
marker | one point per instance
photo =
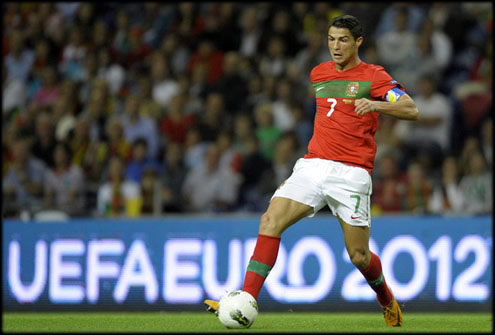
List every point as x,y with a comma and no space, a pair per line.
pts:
344,188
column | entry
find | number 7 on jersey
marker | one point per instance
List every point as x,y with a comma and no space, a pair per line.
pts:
332,108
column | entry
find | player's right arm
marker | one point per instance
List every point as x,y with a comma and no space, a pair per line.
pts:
403,109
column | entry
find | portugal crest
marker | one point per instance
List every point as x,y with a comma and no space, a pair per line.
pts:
352,89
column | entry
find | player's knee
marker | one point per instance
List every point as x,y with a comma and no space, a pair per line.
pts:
269,225
360,258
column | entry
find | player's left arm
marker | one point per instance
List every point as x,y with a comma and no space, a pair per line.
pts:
404,108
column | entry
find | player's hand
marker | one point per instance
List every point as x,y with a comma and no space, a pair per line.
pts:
363,106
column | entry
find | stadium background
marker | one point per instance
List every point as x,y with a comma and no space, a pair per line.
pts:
226,85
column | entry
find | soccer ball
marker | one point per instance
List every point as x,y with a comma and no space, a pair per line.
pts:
238,309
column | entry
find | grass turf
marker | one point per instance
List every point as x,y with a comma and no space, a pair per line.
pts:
266,322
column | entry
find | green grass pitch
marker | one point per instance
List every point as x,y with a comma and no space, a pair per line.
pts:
203,322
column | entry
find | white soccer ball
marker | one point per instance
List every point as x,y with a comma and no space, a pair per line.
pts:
238,309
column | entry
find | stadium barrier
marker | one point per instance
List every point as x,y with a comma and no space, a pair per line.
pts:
173,263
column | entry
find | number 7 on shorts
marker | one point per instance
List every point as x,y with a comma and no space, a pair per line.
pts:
358,200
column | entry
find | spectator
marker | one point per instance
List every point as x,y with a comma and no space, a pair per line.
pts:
230,158
303,128
176,122
88,75
118,196
49,90
282,115
99,36
388,186
476,186
199,82
149,106
213,119
251,33
418,190
164,86
120,42
44,141
274,61
255,93
64,183
447,197
475,93
243,131
20,59
99,153
73,54
69,94
117,145
254,167
111,72
284,158
150,192
80,142
266,131
52,19
176,52
136,125
194,148
232,83
140,162
43,57
210,57
172,178
396,50
138,49
101,105
432,131
440,44
23,182
14,95
211,187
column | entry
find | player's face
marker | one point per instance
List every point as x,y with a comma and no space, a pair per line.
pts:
342,45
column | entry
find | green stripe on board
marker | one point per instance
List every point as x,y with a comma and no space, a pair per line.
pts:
377,282
342,89
259,268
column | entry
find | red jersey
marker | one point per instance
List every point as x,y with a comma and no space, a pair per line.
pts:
339,133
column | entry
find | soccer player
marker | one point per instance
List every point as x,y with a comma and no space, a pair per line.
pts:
336,171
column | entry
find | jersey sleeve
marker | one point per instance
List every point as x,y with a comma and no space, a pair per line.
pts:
382,83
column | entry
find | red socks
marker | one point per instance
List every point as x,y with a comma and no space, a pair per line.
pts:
374,277
265,254
260,264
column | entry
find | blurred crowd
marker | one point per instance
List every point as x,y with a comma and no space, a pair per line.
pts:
137,109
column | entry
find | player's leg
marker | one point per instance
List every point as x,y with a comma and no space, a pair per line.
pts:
357,245
281,214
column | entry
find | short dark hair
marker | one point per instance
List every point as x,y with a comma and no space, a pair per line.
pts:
140,141
350,22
